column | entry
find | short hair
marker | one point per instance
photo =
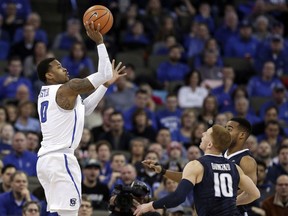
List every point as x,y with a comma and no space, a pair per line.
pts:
141,91
243,125
26,205
101,143
221,138
6,167
118,153
281,148
18,172
261,163
86,198
43,68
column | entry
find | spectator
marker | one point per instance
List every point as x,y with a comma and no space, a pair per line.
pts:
20,157
164,138
31,208
168,28
105,127
264,153
277,204
261,28
188,122
33,19
33,141
65,40
252,144
23,94
3,117
23,7
205,16
6,137
196,133
141,126
137,149
176,211
11,203
244,44
6,173
163,47
103,150
209,110
12,112
127,175
77,62
280,168
262,85
86,208
24,47
82,149
25,120
158,148
141,100
96,191
172,70
193,153
192,94
175,161
221,119
170,115
9,82
118,136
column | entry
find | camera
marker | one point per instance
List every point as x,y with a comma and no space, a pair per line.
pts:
125,194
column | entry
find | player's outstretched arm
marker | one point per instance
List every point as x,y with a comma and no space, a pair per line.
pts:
92,100
250,191
175,176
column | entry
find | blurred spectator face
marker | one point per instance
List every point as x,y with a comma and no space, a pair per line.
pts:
6,176
240,93
175,54
137,147
210,103
34,19
73,27
271,114
117,122
261,173
203,31
241,105
154,5
85,209
262,24
204,9
282,186
268,70
11,9
141,100
3,116
86,135
32,210
193,153
278,95
26,110
170,185
283,157
141,119
106,116
121,83
277,46
163,137
19,183
194,79
245,32
132,11
77,51
228,72
231,20
210,58
188,118
40,49
15,67
252,144
156,147
138,28
172,103
29,33
152,156
22,93
92,154
221,119
91,174
264,150
272,130
32,141
19,143
128,174
118,161
129,70
212,45
170,41
199,130
103,153
175,153
7,132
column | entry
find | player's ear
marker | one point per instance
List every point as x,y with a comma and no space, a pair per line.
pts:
49,76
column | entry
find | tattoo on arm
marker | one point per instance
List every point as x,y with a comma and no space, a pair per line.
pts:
81,86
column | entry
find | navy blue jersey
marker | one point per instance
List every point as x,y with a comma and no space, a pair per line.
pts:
216,194
236,158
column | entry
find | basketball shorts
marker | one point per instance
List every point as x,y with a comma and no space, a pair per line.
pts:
60,176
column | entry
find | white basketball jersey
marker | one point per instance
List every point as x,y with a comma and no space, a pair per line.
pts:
61,129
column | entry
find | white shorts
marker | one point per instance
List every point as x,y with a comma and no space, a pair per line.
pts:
60,176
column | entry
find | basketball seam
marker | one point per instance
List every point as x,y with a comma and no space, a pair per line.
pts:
101,16
106,22
98,17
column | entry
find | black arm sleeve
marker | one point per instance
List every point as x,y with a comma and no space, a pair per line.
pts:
177,197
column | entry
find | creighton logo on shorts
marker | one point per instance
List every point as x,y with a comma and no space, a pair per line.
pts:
73,201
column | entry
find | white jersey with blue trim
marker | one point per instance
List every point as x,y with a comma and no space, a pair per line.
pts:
61,129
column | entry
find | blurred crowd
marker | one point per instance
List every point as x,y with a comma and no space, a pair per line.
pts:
156,112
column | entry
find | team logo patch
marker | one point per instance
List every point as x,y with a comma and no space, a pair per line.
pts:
73,201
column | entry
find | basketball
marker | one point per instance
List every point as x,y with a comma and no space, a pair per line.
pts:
99,14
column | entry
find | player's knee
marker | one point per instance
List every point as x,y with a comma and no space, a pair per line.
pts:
67,213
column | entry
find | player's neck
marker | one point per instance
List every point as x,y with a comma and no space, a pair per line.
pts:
233,149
